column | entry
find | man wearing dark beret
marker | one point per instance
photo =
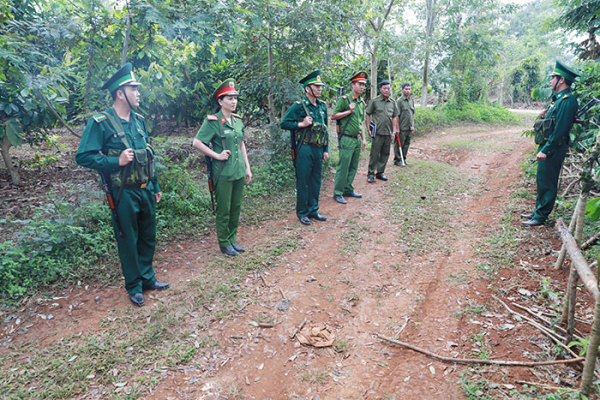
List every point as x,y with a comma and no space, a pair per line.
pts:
116,142
382,122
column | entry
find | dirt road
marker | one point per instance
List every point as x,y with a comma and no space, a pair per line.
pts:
410,260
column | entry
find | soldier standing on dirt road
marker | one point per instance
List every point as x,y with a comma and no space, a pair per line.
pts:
406,109
382,111
307,120
553,151
116,141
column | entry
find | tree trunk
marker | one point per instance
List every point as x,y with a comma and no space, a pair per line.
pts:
592,352
270,101
126,43
430,19
563,250
374,73
14,174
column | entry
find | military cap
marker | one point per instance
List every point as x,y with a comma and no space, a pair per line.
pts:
314,78
360,77
226,88
562,70
384,82
123,77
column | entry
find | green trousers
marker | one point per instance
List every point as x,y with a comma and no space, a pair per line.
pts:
348,165
405,141
136,211
228,196
380,153
309,163
548,171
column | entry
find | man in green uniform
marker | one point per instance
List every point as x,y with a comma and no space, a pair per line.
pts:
307,122
406,110
552,152
116,142
351,113
382,122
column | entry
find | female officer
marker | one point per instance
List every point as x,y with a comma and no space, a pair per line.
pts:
231,169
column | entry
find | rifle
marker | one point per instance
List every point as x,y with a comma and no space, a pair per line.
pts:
111,203
211,188
584,109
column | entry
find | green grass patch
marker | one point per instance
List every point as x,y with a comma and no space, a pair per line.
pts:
429,118
423,198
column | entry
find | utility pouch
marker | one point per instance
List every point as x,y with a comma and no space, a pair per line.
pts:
140,171
543,129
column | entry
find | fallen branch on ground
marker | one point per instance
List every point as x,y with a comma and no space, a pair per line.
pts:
479,361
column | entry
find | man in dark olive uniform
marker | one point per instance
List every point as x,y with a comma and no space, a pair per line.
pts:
382,122
552,152
350,111
406,119
307,121
116,142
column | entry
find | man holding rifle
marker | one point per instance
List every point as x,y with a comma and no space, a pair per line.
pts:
306,120
552,150
116,144
382,122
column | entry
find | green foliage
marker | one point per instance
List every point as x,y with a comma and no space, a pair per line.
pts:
525,78
583,343
426,119
57,245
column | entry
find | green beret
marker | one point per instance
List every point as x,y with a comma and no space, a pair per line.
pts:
314,78
360,76
225,88
123,77
561,69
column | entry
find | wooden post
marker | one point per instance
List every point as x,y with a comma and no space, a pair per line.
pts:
592,352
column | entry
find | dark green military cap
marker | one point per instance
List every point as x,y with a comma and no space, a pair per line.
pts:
123,77
226,88
360,76
561,69
314,78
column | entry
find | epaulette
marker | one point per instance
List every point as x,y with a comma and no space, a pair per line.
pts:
345,96
99,117
298,101
139,115
235,115
212,118
566,95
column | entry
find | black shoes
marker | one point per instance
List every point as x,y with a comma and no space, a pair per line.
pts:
527,216
318,217
156,286
137,299
381,177
370,179
238,248
400,164
305,221
339,199
230,251
352,194
532,222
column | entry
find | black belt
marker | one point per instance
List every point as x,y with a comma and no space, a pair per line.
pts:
343,134
138,186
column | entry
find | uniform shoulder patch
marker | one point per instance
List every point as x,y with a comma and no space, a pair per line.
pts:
212,118
139,115
99,117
